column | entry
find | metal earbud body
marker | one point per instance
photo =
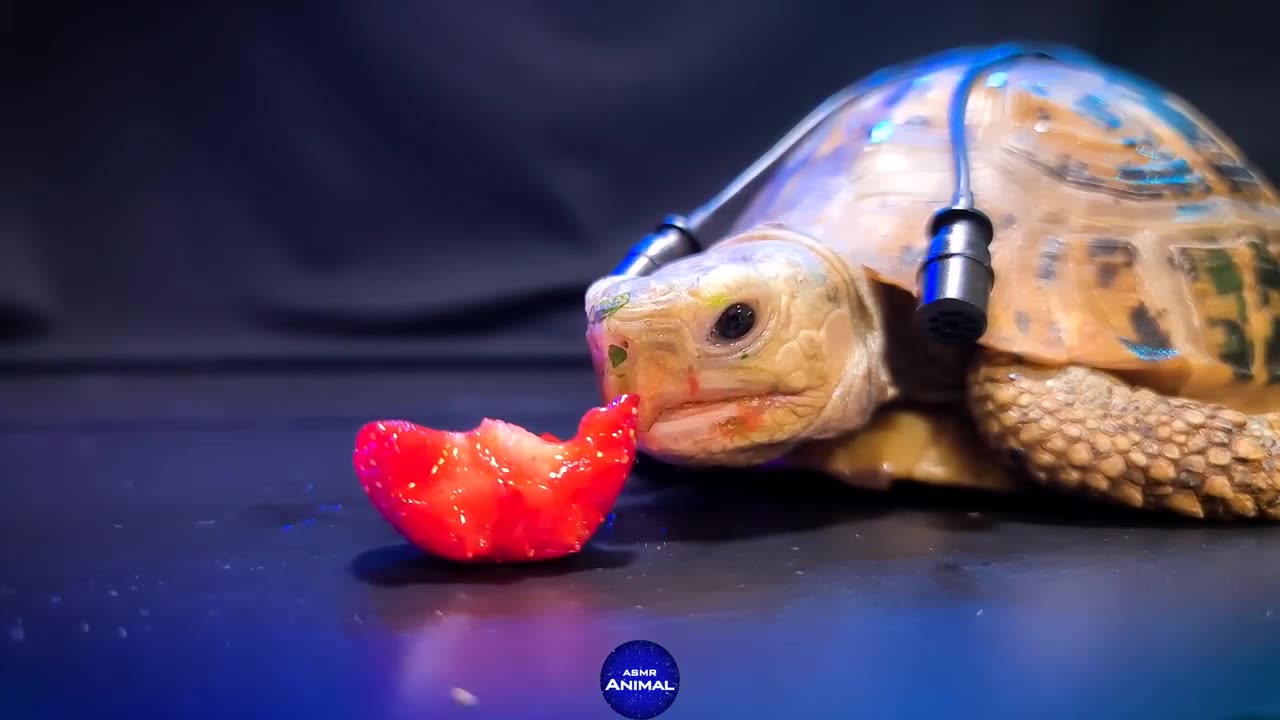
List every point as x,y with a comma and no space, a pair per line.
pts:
669,242
956,277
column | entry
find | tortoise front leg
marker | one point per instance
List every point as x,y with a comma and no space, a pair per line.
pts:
1082,429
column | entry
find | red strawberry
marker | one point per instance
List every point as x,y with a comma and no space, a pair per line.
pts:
498,492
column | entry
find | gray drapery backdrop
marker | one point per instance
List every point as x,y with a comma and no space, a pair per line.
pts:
408,181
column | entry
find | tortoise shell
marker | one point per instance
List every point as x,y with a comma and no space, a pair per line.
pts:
1131,234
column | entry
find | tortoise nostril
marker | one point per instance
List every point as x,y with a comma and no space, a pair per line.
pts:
617,355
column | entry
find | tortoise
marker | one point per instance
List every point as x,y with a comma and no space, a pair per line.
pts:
1132,352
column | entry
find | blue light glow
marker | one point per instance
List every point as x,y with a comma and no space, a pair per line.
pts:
1193,211
1148,353
881,131
1036,88
1094,108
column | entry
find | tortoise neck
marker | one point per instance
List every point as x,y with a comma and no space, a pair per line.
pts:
866,382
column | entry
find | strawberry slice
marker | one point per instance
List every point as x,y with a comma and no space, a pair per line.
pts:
498,492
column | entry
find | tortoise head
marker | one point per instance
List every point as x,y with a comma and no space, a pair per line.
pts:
740,353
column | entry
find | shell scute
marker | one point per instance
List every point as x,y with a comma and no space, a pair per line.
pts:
1132,235
1083,136
1215,280
1088,292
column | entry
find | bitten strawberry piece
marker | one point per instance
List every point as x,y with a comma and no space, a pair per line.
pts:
498,492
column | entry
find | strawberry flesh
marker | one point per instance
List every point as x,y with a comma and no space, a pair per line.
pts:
497,492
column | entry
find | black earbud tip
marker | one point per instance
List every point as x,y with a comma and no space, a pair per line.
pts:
669,242
956,278
951,321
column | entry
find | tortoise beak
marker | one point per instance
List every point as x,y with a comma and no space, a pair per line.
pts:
630,365
614,369
637,340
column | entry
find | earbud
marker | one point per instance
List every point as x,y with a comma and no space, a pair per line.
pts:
956,277
669,242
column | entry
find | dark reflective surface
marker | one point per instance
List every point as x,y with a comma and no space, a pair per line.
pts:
199,547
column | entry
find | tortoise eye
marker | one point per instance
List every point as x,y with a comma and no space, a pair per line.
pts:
734,323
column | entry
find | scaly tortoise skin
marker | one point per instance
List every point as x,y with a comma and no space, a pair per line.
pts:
1132,351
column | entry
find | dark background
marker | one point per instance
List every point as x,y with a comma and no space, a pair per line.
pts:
231,233
251,182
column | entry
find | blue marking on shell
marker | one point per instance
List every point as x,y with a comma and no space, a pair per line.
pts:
1148,150
1174,172
1036,88
881,131
1176,119
1160,102
900,93
1189,212
997,79
1095,108
1148,353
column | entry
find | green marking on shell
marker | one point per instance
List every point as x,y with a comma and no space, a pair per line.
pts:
617,355
613,305
1223,272
717,300
1268,267
1237,347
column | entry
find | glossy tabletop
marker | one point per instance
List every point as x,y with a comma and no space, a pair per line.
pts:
195,546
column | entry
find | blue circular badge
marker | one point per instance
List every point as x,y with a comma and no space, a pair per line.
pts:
640,680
